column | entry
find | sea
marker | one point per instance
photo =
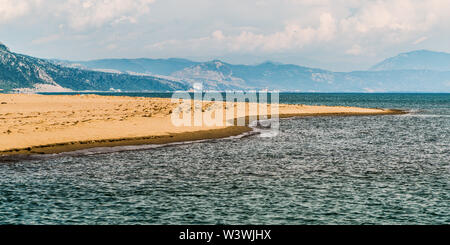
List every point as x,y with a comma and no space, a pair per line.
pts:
391,169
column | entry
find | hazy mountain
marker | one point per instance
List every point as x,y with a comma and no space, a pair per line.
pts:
284,77
219,75
143,65
27,73
214,75
416,60
21,71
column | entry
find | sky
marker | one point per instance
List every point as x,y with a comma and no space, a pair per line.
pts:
339,35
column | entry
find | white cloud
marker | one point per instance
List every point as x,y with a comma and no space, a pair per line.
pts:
376,23
420,40
355,30
96,13
354,50
47,39
218,35
399,15
78,14
11,9
292,36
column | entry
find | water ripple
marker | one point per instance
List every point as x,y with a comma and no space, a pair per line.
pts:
318,170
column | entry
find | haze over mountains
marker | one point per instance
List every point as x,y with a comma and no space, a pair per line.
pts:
416,60
417,71
23,73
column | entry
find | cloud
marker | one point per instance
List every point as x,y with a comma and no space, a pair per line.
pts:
218,35
354,50
375,23
78,14
345,34
399,15
361,31
47,39
12,9
96,13
54,38
292,36
420,40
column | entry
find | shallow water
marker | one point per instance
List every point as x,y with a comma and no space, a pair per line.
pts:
392,169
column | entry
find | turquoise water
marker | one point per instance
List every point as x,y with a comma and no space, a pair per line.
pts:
392,169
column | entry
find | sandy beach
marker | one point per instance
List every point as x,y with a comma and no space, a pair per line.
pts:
40,124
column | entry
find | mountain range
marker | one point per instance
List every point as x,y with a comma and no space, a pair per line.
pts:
23,73
416,60
417,71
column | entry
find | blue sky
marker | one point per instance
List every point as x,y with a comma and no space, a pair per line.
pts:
332,34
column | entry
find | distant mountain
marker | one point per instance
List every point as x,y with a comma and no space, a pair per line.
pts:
416,60
215,75
28,74
268,75
143,65
218,75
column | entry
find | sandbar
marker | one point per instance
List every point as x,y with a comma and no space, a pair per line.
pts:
42,124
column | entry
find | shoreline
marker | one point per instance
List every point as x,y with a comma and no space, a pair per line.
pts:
170,135
166,139
150,140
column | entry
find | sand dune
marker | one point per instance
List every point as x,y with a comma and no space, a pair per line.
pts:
56,123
